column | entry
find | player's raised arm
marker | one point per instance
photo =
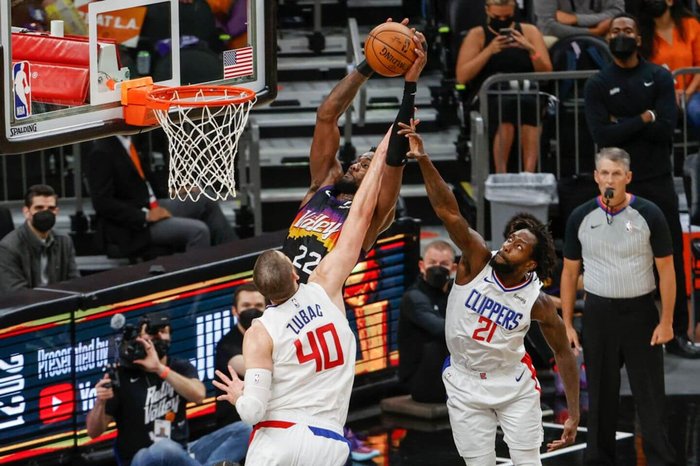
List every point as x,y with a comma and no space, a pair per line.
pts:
475,254
324,165
334,269
398,147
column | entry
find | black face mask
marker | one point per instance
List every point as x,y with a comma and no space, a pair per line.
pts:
246,316
622,47
655,8
162,347
43,221
437,276
498,24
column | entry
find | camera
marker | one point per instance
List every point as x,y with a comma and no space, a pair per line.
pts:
129,348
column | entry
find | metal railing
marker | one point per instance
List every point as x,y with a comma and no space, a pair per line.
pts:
553,82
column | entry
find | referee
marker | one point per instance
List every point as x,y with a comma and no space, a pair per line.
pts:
619,238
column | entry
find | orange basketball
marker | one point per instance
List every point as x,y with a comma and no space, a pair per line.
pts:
390,50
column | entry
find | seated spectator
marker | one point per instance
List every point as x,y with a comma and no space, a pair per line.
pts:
563,18
33,254
133,217
248,304
671,38
422,347
503,45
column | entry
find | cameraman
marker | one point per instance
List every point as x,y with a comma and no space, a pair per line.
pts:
149,402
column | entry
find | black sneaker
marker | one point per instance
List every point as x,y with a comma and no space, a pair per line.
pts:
681,346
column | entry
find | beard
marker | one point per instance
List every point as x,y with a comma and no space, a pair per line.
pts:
503,268
345,186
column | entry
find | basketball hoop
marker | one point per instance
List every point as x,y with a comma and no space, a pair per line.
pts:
203,125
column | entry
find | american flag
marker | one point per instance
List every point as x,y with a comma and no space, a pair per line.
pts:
238,62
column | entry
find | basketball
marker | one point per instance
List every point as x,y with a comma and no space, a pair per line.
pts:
389,49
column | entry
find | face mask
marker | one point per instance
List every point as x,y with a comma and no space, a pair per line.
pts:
246,316
623,47
437,276
655,8
498,24
161,346
43,221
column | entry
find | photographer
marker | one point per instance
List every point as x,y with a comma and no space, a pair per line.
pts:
147,399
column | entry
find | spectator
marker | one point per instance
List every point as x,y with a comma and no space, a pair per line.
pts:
147,434
248,304
33,254
618,238
671,38
558,19
422,346
631,104
134,219
503,45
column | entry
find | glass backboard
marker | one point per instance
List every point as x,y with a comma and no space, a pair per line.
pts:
63,61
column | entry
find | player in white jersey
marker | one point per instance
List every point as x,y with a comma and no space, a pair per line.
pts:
489,377
300,356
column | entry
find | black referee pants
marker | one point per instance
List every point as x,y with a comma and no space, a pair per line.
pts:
617,332
662,192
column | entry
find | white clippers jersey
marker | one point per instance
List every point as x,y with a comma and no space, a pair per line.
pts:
313,356
486,322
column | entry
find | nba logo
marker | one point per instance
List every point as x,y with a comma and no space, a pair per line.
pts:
21,79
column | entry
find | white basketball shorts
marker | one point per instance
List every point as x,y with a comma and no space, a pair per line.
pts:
479,401
280,443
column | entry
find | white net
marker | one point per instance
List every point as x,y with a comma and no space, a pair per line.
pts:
203,142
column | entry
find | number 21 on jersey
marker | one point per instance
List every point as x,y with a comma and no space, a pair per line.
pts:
488,327
317,343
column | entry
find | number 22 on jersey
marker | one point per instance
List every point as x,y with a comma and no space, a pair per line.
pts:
317,342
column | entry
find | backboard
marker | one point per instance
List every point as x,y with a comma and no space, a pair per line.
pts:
63,61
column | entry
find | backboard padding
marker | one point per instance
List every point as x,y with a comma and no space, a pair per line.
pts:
59,122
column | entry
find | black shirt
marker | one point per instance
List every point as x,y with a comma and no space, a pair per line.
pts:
422,320
143,397
508,60
229,346
615,99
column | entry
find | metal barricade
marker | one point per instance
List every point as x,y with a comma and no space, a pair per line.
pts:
554,82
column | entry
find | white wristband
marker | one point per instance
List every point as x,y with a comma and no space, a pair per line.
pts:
251,406
653,115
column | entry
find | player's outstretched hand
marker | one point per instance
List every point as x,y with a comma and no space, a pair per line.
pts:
567,437
415,70
403,21
415,141
230,384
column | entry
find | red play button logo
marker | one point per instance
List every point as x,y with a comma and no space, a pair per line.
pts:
56,403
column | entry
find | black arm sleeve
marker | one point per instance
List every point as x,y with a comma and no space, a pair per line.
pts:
398,145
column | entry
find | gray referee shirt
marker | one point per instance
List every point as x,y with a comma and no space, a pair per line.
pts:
617,250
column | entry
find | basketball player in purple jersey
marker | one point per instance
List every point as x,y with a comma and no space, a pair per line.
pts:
489,378
317,225
300,355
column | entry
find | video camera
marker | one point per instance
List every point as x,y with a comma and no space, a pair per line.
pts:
131,349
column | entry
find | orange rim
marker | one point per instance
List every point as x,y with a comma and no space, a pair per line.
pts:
164,98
